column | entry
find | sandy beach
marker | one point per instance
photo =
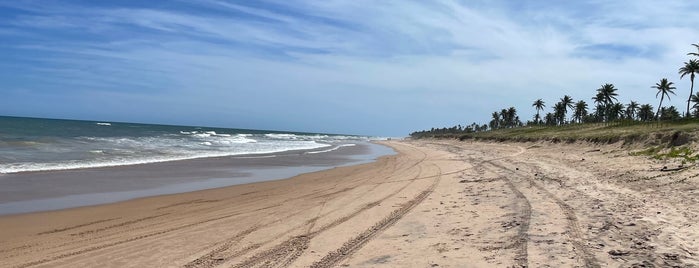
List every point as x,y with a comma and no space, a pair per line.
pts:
434,204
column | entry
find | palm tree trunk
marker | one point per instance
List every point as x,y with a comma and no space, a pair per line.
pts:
657,114
691,91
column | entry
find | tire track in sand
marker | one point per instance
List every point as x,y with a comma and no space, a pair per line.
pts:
222,253
354,244
288,251
285,253
572,222
524,210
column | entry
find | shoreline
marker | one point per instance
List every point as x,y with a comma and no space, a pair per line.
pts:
435,203
64,189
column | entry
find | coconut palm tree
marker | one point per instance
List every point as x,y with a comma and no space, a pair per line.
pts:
645,112
503,118
631,110
615,111
669,113
598,98
550,119
608,93
539,106
695,100
693,53
537,119
559,112
495,123
599,112
690,68
664,89
567,102
511,118
580,111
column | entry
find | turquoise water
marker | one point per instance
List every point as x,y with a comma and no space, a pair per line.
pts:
31,144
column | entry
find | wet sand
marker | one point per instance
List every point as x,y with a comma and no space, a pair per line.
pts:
435,204
42,191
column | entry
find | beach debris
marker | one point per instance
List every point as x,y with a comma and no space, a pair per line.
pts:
666,169
671,256
615,252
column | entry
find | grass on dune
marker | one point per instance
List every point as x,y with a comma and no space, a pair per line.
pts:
680,132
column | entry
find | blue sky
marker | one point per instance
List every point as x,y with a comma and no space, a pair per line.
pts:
358,67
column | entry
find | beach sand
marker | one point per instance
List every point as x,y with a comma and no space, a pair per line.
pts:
435,204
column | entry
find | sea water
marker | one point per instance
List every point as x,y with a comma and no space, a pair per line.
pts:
31,144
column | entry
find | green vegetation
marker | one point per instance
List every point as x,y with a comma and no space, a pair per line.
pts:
609,121
686,153
651,133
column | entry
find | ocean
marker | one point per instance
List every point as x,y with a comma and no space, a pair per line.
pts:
49,164
32,144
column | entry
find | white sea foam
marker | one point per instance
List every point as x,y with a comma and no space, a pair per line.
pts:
103,124
332,149
281,136
201,135
143,150
92,152
69,165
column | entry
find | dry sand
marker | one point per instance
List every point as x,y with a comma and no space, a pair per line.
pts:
436,203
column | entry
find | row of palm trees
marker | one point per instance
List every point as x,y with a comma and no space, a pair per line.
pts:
506,118
606,107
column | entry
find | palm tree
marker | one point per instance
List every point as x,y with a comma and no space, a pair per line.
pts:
559,112
693,53
664,88
645,112
580,110
695,100
631,110
598,98
615,111
512,119
495,123
550,119
599,112
539,106
503,118
669,113
537,119
567,102
690,68
608,93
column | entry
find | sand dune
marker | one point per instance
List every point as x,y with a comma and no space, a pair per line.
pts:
436,203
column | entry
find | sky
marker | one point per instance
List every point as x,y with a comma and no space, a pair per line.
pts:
383,68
